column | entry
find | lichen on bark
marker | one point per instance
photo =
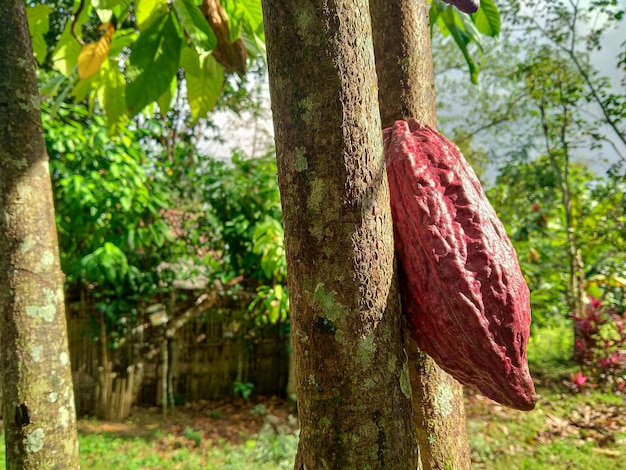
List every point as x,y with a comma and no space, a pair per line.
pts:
38,400
338,237
401,33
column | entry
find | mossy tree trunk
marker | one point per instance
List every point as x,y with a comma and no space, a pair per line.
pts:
351,373
38,408
407,90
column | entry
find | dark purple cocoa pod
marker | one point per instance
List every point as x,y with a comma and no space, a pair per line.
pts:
467,6
463,292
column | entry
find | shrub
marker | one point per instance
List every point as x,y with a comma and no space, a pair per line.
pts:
601,347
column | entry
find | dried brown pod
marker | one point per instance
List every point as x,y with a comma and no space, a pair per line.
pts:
463,292
233,56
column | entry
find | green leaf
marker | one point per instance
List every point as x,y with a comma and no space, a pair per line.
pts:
465,23
114,8
105,4
153,62
487,18
123,38
436,7
51,87
39,24
67,50
205,79
462,37
147,12
243,13
81,89
165,100
114,98
195,25
253,13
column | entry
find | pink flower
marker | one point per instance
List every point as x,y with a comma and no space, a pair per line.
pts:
595,303
579,379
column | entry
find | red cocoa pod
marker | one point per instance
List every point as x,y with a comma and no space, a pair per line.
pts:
463,292
467,6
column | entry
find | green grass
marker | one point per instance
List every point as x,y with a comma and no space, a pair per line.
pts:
266,450
103,451
549,438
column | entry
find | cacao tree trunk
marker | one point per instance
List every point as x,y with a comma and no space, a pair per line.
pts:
406,89
38,408
352,379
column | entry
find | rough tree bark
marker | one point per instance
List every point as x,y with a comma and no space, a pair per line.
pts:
38,408
352,377
404,65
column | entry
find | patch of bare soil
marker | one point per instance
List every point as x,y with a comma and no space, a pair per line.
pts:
204,421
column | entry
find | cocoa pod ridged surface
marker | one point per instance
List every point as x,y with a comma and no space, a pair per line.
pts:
463,292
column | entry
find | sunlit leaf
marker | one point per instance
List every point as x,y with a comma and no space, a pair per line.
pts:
461,37
105,4
123,38
51,86
243,13
165,100
147,12
487,18
205,79
93,54
253,12
39,24
195,25
67,49
81,89
114,98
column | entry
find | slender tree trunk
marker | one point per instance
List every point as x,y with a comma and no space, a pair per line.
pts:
407,90
351,374
575,285
38,408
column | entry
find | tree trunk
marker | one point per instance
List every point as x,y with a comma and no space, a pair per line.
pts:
38,408
352,379
407,90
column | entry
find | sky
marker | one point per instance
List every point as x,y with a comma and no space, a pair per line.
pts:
253,134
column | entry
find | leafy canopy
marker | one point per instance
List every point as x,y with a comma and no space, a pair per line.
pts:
128,54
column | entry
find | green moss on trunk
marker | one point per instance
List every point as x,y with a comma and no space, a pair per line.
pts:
38,401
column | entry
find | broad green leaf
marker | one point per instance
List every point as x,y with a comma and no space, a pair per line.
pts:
147,12
39,24
465,23
433,14
114,98
105,4
462,39
244,13
195,25
123,38
487,18
165,100
253,13
153,63
60,99
51,87
67,50
81,89
205,79
106,10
